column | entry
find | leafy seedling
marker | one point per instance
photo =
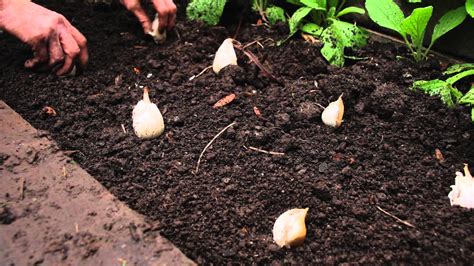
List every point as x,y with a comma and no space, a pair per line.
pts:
446,90
207,11
269,13
320,18
387,14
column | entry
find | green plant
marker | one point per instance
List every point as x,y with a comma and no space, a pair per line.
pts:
469,5
269,13
320,18
445,89
412,28
207,11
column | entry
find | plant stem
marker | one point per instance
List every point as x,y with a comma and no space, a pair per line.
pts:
408,44
459,76
343,2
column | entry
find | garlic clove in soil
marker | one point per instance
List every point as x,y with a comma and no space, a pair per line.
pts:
155,33
225,56
333,113
462,192
289,229
147,119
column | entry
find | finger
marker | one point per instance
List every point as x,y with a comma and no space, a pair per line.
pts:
137,10
40,55
172,15
162,11
172,21
70,48
56,54
81,42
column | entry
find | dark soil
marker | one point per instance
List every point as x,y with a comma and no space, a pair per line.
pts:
382,155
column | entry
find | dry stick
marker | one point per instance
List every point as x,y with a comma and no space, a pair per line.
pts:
200,73
22,188
265,71
264,151
252,43
209,144
395,217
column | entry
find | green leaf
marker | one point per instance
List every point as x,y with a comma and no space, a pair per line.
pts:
294,2
458,68
468,98
332,50
470,7
459,76
414,1
385,13
316,5
472,114
351,9
312,28
296,18
208,11
415,24
338,36
349,34
431,87
275,14
331,12
448,94
447,22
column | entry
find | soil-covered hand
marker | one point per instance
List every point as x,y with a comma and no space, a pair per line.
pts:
56,44
166,10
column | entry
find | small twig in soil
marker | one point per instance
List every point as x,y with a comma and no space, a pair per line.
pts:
64,171
22,188
77,227
252,43
322,107
200,73
254,58
123,129
264,151
209,144
395,217
177,34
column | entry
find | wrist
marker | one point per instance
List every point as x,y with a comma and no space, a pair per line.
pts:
9,10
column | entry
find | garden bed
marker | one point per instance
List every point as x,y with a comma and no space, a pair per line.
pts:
382,156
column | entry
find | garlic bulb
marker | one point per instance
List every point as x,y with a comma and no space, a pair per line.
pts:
147,120
225,56
462,192
155,33
332,115
289,229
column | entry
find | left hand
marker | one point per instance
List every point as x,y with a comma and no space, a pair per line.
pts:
166,10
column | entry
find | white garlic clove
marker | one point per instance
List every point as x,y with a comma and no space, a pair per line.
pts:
155,33
333,113
289,229
225,56
147,119
462,193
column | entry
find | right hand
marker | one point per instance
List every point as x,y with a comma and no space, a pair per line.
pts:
166,10
56,44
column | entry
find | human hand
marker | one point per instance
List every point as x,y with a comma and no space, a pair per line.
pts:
166,10
56,44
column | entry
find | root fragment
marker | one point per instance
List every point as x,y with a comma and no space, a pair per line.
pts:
209,144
